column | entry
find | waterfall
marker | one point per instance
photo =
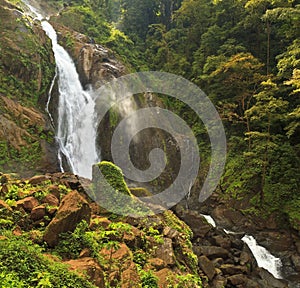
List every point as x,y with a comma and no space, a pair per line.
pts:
210,220
263,257
76,127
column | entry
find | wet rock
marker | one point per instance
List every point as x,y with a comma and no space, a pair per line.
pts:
268,280
212,252
222,241
88,268
96,65
197,223
245,258
275,240
218,262
230,269
207,267
238,279
73,209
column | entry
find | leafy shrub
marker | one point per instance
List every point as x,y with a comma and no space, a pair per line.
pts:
24,265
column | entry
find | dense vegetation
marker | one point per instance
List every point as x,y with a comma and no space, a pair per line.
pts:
246,56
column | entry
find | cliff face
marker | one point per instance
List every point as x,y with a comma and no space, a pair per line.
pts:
26,71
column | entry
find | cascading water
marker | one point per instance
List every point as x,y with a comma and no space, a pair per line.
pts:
263,257
76,127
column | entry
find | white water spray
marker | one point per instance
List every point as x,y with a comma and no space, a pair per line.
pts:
76,131
210,220
263,257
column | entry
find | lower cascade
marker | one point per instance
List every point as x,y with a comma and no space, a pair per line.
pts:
263,257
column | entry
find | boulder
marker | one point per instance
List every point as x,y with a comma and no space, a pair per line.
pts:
121,253
38,179
164,277
268,280
51,200
222,241
38,213
230,269
207,267
211,252
73,209
27,203
130,277
197,223
88,268
238,279
156,264
165,252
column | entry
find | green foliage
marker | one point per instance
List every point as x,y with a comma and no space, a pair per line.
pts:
186,281
149,280
72,243
25,266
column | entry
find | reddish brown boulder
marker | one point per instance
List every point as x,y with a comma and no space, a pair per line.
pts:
38,179
51,200
130,277
38,213
73,209
27,203
89,268
121,253
155,264
165,276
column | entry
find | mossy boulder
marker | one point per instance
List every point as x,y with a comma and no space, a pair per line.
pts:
114,176
111,192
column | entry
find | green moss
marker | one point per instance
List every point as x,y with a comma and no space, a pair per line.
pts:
174,222
114,176
140,192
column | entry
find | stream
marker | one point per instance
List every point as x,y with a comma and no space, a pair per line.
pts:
262,256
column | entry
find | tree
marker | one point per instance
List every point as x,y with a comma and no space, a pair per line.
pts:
263,116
